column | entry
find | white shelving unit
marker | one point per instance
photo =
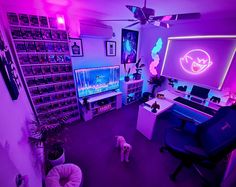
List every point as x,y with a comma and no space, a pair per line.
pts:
99,104
45,64
131,91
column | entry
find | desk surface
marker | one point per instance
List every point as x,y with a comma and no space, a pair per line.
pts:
169,99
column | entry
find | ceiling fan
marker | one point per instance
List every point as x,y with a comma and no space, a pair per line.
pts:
147,15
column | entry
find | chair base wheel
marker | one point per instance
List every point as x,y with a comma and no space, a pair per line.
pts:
172,178
162,149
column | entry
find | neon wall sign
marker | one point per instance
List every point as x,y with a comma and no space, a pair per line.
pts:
156,59
196,61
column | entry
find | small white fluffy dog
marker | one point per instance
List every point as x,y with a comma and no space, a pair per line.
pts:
124,147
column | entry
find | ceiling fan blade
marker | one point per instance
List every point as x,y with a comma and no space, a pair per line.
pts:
165,25
131,25
131,20
177,17
161,24
134,9
138,12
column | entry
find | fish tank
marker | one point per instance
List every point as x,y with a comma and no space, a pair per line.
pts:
90,81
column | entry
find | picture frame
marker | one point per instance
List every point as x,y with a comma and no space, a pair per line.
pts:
129,46
76,47
110,48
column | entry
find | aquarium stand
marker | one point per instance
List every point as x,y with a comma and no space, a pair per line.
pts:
99,104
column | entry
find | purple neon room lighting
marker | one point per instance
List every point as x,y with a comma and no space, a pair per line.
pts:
210,59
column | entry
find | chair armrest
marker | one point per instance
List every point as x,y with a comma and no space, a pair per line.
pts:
196,152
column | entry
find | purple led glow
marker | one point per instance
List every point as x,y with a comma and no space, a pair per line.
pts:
196,61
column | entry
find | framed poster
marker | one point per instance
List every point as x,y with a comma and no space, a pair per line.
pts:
76,47
110,48
129,46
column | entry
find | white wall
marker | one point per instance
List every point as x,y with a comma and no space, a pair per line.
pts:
16,155
95,51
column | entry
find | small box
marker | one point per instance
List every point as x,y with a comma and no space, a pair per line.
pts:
24,19
40,46
20,46
37,70
43,58
56,35
27,71
34,20
43,21
46,69
63,35
51,58
30,46
24,59
57,47
52,22
60,58
46,34
34,59
64,47
31,82
67,58
55,69
36,33
12,18
26,33
49,47
16,33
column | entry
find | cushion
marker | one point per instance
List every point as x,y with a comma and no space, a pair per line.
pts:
64,175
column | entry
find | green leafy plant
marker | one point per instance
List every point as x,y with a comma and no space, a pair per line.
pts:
51,136
139,66
156,81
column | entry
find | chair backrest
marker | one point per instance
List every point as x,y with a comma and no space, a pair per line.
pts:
218,135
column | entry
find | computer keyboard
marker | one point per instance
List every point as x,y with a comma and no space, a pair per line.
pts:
197,106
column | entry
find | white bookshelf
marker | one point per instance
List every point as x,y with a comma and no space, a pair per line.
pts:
131,91
44,61
99,104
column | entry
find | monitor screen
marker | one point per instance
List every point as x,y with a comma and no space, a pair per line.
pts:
91,81
200,92
202,60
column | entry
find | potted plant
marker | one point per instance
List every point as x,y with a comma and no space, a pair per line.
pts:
127,75
137,75
52,136
156,81
127,72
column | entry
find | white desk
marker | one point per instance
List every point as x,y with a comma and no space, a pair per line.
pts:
147,119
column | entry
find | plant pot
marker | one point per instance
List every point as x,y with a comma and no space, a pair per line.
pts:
126,78
59,160
137,76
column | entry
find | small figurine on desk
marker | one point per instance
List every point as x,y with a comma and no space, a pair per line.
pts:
160,96
154,107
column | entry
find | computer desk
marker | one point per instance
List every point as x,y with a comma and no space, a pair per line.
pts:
147,119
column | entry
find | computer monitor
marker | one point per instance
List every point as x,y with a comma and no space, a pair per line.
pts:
200,92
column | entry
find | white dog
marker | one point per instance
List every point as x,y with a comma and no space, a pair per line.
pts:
124,147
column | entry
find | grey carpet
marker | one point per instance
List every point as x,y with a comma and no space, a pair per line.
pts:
91,145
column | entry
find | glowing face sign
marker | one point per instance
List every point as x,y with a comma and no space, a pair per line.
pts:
196,61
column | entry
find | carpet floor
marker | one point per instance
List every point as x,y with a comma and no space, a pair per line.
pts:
91,145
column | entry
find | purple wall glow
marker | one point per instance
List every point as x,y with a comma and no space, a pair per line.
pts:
204,61
150,34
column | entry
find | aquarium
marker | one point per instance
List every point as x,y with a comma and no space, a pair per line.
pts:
91,81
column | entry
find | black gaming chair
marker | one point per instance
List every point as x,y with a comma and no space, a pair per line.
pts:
213,140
